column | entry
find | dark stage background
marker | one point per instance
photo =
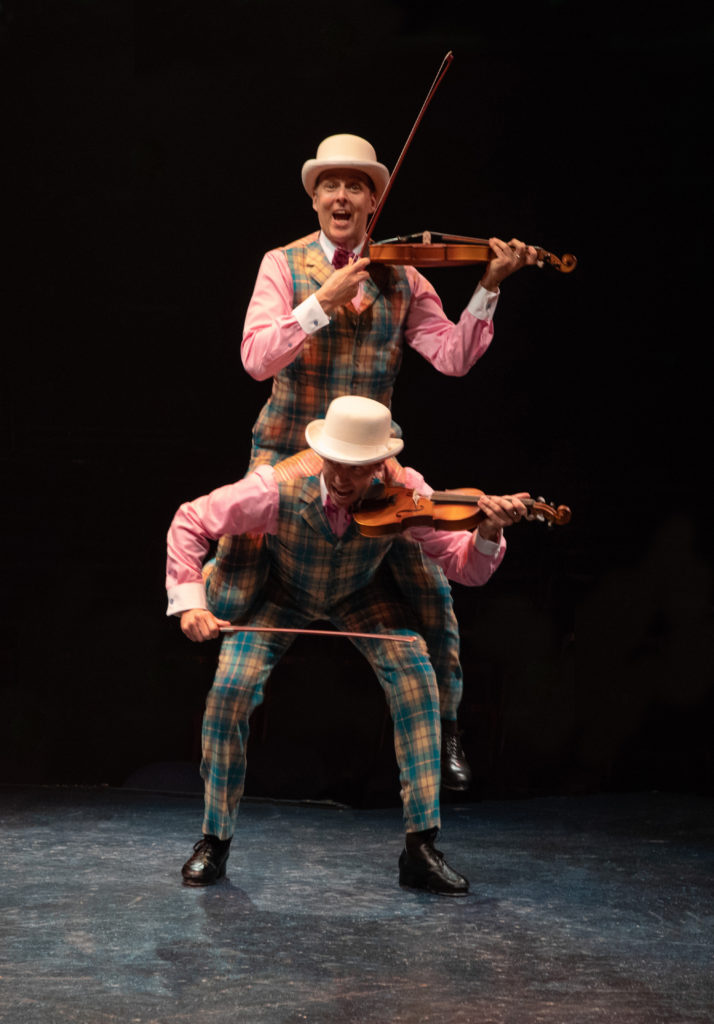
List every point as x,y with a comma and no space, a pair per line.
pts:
152,160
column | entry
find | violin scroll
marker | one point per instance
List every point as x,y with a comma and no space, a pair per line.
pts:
544,512
565,264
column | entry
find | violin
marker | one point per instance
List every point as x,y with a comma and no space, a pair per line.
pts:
432,249
393,509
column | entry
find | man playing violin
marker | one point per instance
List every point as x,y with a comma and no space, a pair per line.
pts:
321,567
323,322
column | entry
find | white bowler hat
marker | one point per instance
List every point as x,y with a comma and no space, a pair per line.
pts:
355,431
345,151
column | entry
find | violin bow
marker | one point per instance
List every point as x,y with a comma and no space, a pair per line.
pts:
445,64
395,637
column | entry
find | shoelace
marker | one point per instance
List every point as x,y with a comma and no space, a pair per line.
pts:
452,744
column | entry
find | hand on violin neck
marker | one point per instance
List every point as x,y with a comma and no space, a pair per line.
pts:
499,512
342,285
508,257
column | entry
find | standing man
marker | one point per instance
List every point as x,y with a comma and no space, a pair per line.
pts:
320,567
322,322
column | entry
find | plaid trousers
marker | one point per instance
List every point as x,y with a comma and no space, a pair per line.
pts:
404,672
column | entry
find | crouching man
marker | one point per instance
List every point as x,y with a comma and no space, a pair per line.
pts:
322,568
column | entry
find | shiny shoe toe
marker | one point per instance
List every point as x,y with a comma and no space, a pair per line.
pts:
207,863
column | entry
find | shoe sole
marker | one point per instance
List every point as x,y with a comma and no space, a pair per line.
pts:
432,892
407,881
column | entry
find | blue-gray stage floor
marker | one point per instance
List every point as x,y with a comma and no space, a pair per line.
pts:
596,909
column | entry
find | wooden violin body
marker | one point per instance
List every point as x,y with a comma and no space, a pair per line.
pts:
387,510
432,249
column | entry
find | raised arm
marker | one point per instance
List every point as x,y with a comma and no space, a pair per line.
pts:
454,348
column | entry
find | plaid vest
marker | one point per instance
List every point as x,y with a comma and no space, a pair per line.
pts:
309,567
313,567
355,354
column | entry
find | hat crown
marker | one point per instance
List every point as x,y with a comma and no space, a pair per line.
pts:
358,421
345,151
356,430
349,148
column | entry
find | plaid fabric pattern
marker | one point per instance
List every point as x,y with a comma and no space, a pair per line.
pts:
314,567
355,354
236,575
424,586
246,660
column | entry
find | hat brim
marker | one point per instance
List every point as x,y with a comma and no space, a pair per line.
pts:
312,169
349,454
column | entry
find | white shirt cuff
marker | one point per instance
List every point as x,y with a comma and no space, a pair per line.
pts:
184,596
483,303
486,547
310,315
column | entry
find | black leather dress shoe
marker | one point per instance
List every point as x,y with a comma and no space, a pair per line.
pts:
455,771
208,861
421,866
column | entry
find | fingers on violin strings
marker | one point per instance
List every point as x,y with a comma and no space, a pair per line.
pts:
500,247
518,510
496,508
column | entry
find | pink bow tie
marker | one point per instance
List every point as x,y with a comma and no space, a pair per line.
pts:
341,258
